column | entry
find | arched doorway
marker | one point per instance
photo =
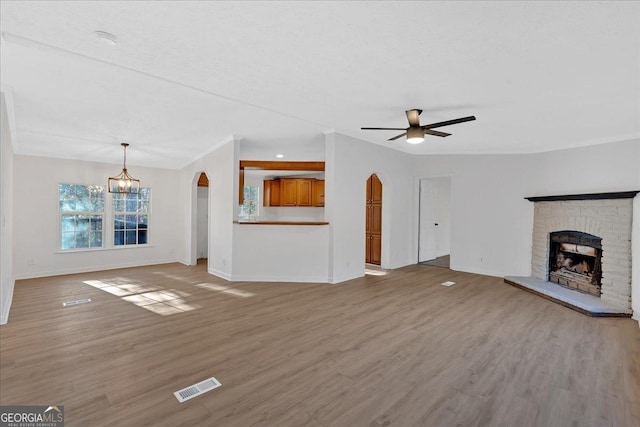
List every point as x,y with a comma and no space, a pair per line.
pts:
373,230
202,219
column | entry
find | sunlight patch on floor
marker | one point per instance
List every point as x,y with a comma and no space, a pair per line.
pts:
164,302
225,290
370,272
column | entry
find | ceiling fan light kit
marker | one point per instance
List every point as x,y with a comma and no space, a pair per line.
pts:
415,133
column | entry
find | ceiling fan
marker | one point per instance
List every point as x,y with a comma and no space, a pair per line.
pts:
415,133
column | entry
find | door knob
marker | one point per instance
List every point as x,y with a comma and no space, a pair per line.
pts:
436,224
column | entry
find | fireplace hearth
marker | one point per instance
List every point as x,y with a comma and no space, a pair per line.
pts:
575,261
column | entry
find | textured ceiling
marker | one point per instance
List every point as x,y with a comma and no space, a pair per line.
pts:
186,76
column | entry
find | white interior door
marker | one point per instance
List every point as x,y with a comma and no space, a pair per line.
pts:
428,235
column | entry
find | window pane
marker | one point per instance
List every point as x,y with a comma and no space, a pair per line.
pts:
142,237
98,205
67,205
118,205
144,206
132,222
118,238
96,222
68,240
130,237
142,221
82,191
132,205
118,222
145,193
82,239
96,239
68,223
83,223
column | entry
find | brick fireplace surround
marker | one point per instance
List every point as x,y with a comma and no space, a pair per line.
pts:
606,215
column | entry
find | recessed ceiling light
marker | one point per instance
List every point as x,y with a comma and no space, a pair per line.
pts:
106,38
279,156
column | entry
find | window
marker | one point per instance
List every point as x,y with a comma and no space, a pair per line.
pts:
250,205
131,218
81,210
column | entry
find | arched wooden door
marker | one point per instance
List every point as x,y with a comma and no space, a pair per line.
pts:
373,237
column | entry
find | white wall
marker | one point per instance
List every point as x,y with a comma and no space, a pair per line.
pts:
282,253
350,162
6,211
492,220
221,167
203,222
36,218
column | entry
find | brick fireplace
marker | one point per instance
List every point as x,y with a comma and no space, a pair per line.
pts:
584,242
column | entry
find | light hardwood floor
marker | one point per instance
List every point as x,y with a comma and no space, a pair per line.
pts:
397,350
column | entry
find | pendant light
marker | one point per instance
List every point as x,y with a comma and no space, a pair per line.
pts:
124,183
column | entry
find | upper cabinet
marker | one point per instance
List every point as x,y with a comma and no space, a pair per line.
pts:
294,192
317,192
271,192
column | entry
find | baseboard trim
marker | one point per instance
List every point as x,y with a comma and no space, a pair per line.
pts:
220,274
7,304
39,274
289,279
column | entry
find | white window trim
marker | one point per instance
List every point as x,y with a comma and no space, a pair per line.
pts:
108,235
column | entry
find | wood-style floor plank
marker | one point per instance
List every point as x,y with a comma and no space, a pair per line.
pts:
390,350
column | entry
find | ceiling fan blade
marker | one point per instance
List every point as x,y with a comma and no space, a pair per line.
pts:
397,136
414,117
449,122
383,128
435,132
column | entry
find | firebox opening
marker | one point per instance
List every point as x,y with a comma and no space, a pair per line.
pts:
575,261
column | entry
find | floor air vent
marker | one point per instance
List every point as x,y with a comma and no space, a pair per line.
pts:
448,283
76,302
196,389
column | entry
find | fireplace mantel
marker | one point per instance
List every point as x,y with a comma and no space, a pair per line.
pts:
591,196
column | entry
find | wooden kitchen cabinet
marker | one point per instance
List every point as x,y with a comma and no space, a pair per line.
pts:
294,192
304,192
317,192
271,193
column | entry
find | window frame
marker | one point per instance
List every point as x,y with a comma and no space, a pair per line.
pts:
126,213
108,215
76,213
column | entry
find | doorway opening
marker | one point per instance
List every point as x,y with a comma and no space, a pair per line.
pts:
373,233
434,240
202,219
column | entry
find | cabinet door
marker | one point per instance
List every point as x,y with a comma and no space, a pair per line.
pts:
266,192
304,192
318,192
274,196
367,249
288,192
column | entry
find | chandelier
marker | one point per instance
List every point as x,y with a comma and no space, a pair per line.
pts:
124,183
